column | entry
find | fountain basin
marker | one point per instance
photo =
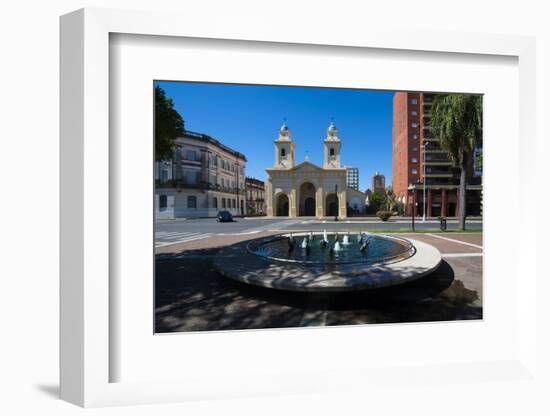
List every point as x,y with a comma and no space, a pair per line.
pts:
381,249
267,262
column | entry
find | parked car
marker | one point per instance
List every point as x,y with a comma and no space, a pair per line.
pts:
224,216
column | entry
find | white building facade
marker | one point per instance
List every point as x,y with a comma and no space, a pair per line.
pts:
203,178
305,189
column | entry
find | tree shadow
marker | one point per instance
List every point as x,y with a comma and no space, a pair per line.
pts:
190,295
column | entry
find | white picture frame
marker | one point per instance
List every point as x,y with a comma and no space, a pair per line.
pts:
86,261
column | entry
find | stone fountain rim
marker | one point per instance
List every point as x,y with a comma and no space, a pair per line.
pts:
236,263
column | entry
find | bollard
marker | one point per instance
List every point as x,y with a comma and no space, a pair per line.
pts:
443,224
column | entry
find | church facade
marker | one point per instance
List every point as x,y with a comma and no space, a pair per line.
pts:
305,189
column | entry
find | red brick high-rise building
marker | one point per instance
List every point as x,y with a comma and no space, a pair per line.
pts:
412,147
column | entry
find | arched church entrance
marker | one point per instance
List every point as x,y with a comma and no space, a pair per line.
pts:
282,206
331,205
307,200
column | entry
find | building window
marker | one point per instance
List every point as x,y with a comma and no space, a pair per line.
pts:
164,175
415,148
414,160
223,202
192,178
191,201
414,125
414,113
234,203
163,202
414,101
414,171
332,151
283,152
215,202
415,136
191,155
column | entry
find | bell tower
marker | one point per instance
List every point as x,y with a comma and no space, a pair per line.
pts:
332,145
284,149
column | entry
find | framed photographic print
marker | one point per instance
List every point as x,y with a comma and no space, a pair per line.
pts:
315,240
290,212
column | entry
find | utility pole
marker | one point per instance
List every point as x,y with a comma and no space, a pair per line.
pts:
413,209
424,178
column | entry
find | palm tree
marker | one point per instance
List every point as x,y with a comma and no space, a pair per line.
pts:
457,123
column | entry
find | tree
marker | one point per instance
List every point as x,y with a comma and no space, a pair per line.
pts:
390,202
456,123
375,202
168,125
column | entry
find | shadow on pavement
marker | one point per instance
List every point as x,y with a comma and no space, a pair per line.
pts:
191,296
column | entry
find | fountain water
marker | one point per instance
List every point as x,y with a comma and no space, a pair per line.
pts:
334,265
345,240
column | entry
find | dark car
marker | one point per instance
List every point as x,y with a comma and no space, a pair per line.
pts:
224,216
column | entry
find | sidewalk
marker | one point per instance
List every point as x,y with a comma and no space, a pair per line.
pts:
373,219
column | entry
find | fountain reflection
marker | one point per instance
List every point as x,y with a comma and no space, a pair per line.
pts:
319,248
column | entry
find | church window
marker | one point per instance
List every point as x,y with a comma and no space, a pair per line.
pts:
332,151
283,152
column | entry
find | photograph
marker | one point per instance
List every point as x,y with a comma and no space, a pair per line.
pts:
289,206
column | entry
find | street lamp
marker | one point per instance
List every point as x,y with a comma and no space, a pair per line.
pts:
424,178
414,205
336,206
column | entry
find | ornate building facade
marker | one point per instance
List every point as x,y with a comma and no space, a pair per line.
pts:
255,196
305,189
203,177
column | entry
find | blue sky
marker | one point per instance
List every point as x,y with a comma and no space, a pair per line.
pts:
247,118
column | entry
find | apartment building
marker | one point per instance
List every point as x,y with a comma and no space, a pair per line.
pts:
420,167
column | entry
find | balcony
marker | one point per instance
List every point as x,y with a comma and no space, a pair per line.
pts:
439,163
204,186
437,170
430,139
439,175
436,150
437,157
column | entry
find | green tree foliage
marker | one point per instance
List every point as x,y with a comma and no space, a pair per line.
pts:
376,201
456,123
390,201
168,125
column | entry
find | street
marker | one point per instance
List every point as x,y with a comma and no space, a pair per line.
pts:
168,232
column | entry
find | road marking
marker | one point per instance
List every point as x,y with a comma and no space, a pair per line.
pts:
194,237
455,255
179,235
454,241
243,233
175,235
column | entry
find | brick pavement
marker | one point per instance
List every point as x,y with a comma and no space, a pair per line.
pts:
192,296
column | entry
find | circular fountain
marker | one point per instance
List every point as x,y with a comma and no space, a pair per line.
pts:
314,262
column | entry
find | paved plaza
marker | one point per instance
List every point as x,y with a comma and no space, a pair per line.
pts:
192,296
